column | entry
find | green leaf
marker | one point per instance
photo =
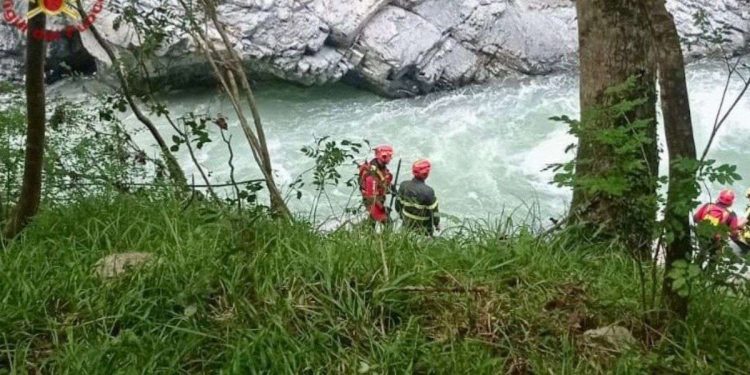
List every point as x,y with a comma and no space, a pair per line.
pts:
693,271
678,284
680,264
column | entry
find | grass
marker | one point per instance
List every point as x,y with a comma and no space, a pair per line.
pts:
244,294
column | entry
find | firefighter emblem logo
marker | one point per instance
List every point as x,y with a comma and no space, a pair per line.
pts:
53,8
77,22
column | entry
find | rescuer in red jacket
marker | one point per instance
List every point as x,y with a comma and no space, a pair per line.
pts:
375,182
718,213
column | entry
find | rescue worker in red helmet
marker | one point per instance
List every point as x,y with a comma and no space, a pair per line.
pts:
719,213
375,182
416,201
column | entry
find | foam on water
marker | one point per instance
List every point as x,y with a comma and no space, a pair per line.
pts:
488,144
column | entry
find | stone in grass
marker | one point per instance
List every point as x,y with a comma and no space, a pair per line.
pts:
614,337
114,265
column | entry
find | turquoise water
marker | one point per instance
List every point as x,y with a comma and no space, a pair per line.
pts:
489,144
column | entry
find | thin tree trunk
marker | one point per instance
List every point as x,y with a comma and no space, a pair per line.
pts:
235,63
229,84
678,129
614,45
31,188
176,174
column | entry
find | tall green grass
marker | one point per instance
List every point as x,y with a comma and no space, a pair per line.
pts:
244,294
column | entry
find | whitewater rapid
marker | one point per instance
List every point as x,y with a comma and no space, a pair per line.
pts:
488,144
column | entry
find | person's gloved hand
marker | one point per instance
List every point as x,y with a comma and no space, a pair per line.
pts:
393,190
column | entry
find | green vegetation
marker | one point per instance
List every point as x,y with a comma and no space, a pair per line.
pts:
241,293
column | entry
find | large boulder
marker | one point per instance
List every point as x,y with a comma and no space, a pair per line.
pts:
285,39
391,53
346,18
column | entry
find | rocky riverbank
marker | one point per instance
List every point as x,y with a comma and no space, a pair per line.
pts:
396,48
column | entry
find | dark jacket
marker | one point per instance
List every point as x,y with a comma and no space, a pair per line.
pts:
418,206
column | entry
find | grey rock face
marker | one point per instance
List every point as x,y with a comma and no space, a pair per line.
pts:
394,47
522,36
733,14
285,39
391,53
462,42
346,18
11,53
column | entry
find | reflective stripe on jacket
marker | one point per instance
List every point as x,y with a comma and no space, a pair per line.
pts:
417,207
417,204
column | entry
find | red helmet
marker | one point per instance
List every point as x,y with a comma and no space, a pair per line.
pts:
384,153
726,197
421,169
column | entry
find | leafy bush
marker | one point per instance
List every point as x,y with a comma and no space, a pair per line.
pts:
84,153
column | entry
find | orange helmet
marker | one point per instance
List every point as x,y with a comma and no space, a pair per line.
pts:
726,197
384,153
421,169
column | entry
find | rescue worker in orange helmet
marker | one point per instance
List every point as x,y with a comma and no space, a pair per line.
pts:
375,182
416,201
719,213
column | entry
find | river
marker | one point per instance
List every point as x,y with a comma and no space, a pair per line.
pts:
489,144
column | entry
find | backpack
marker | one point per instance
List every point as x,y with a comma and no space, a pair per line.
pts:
369,169
364,170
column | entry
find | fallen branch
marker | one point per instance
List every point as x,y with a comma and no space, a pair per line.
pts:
155,184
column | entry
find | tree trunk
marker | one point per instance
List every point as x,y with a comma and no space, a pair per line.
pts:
31,188
615,45
678,129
